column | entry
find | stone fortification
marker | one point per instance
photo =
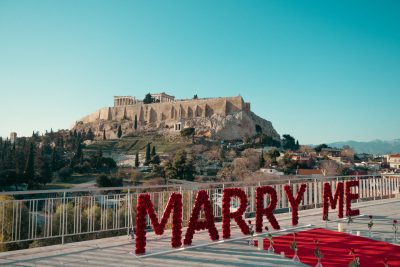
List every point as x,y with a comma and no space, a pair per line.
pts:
220,118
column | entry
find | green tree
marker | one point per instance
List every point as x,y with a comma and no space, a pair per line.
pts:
273,155
119,131
7,178
148,156
90,135
116,181
157,170
55,160
148,99
102,180
44,174
78,157
7,212
289,143
222,155
98,218
320,147
135,123
137,163
64,173
153,151
195,97
169,172
155,160
104,134
189,169
182,167
262,159
29,171
107,164
188,132
135,177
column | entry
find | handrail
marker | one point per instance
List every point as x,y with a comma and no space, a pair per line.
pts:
122,188
40,217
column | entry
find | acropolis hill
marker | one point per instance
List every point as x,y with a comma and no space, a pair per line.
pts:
222,118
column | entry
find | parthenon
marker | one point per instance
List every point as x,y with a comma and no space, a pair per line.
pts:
120,101
163,97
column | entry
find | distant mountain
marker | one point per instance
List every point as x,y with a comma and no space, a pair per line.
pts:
376,147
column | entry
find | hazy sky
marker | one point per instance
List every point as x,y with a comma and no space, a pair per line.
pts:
321,71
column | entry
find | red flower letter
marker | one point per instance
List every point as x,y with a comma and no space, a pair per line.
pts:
339,192
237,215
350,197
194,223
268,211
294,203
146,206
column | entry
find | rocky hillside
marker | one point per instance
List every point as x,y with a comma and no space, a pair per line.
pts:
231,127
218,118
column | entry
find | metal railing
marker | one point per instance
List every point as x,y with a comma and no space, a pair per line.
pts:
57,216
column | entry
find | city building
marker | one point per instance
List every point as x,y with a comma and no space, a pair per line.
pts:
330,152
13,137
393,160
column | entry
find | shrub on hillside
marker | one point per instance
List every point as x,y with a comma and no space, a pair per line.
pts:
105,181
102,180
65,173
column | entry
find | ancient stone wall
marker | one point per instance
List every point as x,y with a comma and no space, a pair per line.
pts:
170,112
225,118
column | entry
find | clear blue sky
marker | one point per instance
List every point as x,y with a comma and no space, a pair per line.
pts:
321,71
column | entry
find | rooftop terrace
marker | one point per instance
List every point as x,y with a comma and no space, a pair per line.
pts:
378,197
115,251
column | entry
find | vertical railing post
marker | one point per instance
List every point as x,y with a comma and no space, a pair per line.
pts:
374,189
359,190
288,204
63,218
315,193
128,197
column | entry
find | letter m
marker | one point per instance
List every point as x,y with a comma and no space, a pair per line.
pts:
333,200
145,206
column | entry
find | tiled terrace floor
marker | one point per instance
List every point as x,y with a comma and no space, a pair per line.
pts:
234,252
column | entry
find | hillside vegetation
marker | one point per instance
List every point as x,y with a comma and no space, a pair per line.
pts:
130,145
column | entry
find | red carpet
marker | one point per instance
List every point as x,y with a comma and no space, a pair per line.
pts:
335,247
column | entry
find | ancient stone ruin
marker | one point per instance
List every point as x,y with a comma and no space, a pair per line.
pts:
223,118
